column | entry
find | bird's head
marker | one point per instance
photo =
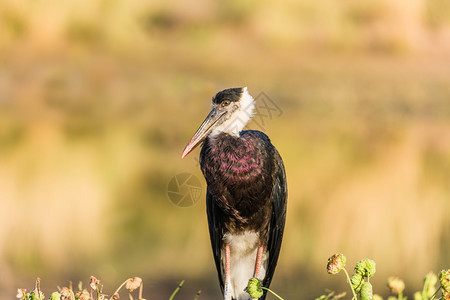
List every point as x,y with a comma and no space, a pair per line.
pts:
231,111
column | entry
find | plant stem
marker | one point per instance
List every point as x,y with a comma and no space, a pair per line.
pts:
273,293
38,288
176,290
350,282
141,289
118,289
197,295
435,293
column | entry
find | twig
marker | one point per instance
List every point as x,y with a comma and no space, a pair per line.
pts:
37,287
198,294
141,288
118,289
176,290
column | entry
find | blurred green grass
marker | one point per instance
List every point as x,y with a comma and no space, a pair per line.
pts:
98,99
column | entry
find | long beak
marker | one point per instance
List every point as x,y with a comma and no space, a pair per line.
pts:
203,131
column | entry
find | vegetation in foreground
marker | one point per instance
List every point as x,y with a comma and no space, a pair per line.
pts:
362,288
359,284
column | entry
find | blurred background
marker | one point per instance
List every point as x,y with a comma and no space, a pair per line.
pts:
99,98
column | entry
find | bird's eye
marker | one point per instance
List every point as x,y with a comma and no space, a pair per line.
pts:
225,103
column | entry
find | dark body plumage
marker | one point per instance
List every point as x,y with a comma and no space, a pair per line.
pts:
246,193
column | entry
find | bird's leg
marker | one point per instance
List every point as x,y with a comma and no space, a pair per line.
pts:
258,261
227,288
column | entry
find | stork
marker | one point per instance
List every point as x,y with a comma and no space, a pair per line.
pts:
246,193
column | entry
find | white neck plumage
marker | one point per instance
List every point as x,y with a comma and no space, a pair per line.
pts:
240,117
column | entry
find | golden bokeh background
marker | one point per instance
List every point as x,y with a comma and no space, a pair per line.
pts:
99,98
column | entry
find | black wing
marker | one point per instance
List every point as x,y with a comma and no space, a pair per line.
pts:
279,201
215,232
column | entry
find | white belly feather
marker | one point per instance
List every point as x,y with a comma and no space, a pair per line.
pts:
243,251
